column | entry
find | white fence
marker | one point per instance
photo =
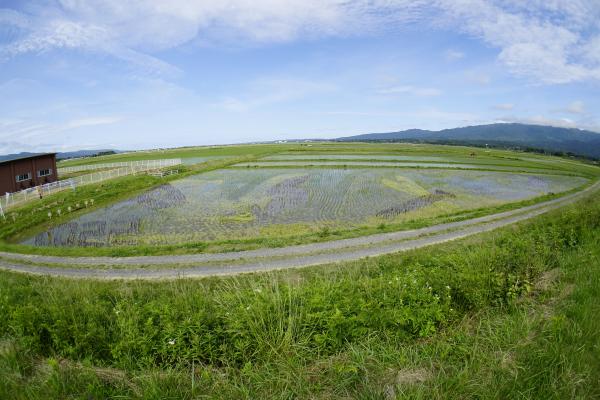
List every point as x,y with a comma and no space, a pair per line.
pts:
145,164
114,173
32,193
130,168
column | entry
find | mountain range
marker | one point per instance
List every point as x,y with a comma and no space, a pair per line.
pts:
507,135
60,155
512,135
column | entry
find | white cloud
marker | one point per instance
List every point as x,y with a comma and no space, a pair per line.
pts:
389,120
453,55
132,31
557,122
263,92
435,114
576,107
14,19
29,135
27,132
158,25
547,41
93,121
479,77
62,33
411,90
444,118
504,106
561,122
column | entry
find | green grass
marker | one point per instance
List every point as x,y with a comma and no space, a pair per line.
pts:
492,156
80,173
517,170
184,152
493,162
507,314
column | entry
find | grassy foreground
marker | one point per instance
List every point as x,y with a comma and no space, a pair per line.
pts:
508,314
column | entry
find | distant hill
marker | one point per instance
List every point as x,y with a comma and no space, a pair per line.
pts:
548,138
16,156
61,156
84,153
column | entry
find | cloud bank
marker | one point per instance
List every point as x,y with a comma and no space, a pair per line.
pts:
548,42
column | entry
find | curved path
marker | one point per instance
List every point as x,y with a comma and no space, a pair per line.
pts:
209,264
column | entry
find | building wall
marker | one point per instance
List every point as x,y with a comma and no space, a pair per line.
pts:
47,162
10,170
6,178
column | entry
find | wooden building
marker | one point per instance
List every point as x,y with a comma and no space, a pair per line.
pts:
22,172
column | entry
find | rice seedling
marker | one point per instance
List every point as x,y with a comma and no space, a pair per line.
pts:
236,203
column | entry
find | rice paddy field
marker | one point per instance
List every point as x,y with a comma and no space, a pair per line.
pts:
290,194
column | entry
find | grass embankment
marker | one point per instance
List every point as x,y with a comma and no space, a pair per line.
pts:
508,314
256,150
334,165
484,164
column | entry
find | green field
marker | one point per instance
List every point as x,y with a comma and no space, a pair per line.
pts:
183,153
504,314
302,150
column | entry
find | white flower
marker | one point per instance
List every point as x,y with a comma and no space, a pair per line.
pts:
172,342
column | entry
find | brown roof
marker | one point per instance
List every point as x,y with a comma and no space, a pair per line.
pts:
14,157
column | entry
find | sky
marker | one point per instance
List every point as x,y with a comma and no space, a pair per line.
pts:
99,74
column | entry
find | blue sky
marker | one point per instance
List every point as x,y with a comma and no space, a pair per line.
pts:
143,74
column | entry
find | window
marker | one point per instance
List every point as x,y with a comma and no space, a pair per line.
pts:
44,172
24,177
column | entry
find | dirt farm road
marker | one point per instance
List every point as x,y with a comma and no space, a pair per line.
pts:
212,264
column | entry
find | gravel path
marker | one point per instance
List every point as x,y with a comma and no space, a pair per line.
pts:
289,257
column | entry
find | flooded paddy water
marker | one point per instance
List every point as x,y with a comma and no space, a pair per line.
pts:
244,202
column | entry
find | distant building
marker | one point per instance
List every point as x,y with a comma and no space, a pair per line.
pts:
22,172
